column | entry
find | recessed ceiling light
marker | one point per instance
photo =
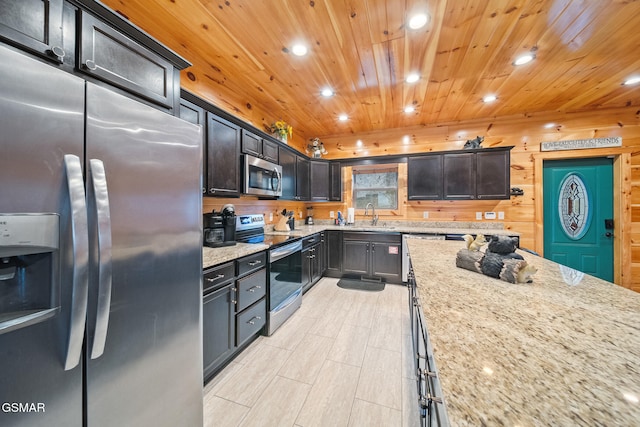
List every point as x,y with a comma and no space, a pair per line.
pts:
299,49
489,98
549,125
418,21
359,143
523,59
327,92
412,78
343,117
632,81
406,139
409,109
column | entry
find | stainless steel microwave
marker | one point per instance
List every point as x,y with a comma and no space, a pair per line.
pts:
262,178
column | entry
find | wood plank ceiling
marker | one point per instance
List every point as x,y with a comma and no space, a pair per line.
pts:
363,50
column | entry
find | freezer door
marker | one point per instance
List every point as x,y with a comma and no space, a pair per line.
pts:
41,121
150,370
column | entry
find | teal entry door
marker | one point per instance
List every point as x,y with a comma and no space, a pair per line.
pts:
578,214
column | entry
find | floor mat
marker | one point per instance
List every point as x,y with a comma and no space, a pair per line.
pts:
361,285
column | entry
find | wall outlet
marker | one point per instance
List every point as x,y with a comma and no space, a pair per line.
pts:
332,214
500,215
478,215
270,216
300,214
425,214
489,215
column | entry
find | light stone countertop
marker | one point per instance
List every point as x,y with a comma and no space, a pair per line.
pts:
563,350
215,256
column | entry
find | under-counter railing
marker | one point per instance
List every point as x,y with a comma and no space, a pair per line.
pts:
433,411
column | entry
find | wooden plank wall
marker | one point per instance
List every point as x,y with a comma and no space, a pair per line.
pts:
523,132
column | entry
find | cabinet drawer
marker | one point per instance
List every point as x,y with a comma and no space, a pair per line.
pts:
251,288
251,263
113,57
250,321
218,276
310,241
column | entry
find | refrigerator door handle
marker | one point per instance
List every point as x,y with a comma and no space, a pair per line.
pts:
80,252
98,196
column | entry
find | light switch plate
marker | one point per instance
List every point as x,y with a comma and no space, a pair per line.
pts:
270,216
478,215
489,215
331,214
500,215
425,214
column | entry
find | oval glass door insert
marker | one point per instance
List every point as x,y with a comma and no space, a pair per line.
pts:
573,206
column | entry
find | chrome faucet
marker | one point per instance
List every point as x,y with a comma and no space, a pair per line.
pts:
374,217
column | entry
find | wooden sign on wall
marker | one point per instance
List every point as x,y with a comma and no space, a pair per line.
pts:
581,144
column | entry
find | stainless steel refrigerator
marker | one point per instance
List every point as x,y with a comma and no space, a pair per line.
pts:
100,255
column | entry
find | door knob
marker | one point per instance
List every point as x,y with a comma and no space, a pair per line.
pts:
608,234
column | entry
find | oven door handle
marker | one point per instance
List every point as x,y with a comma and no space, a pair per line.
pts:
284,251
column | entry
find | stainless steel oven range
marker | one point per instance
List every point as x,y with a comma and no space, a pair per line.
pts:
285,283
284,294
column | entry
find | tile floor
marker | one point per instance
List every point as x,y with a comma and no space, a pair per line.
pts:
343,359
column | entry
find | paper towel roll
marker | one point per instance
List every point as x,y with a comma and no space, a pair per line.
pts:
351,215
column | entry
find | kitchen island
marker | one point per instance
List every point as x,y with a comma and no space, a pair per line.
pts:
563,350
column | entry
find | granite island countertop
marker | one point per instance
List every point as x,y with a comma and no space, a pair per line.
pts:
215,256
563,350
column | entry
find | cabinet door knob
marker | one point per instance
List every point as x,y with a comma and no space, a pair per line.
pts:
90,65
57,52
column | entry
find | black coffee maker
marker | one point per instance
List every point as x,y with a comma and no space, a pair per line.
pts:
220,227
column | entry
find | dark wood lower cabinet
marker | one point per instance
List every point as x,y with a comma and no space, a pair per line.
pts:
312,260
234,309
356,257
218,327
373,255
333,251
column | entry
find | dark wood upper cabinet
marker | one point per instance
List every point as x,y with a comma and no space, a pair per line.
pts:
35,25
319,182
196,115
287,159
251,143
257,146
302,178
459,181
493,174
119,60
223,157
335,181
424,177
460,175
270,151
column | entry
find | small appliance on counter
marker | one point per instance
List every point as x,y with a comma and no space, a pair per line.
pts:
309,220
220,227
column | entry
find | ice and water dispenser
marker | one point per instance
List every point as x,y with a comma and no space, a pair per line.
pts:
29,269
